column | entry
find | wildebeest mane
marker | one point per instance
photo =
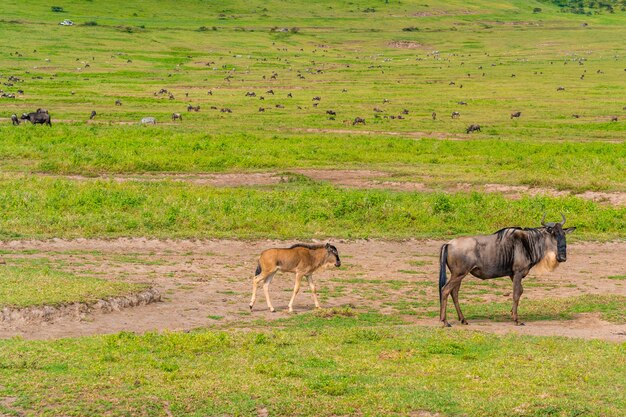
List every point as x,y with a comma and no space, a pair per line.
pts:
531,240
306,245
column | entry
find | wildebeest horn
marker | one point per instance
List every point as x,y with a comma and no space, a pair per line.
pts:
543,219
549,224
563,217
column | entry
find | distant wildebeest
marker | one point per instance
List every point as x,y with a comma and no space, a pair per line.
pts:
250,94
462,103
226,110
148,121
289,95
118,102
331,113
614,118
301,259
261,109
517,114
177,116
472,128
358,120
37,118
15,120
92,115
270,92
280,106
377,110
405,111
456,114
317,98
560,89
576,116
511,252
193,108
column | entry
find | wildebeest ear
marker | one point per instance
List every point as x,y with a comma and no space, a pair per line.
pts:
569,230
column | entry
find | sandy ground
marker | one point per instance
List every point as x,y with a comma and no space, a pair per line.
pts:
356,179
207,284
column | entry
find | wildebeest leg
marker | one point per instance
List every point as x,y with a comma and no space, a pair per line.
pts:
266,290
296,288
517,293
309,278
455,299
445,292
255,283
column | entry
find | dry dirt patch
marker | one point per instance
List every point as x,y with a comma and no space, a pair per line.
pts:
207,284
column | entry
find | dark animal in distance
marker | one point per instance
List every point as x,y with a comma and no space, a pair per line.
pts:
301,259
193,108
37,118
512,252
614,118
456,114
358,120
472,128
118,102
15,120
517,114
560,89
434,116
177,116
92,115
331,113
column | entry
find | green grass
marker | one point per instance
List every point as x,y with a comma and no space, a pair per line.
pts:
27,286
335,370
43,207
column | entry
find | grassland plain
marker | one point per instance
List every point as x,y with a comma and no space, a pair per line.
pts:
370,59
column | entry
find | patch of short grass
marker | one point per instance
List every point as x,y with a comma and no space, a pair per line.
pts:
26,286
336,370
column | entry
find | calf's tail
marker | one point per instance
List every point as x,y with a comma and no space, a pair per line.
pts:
443,260
258,269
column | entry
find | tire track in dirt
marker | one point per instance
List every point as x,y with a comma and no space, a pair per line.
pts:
353,178
206,283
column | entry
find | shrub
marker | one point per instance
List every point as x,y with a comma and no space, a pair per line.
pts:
537,10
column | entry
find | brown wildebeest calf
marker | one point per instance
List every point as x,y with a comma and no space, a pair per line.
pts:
301,259
472,128
517,114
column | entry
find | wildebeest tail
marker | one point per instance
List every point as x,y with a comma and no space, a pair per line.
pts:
258,269
443,260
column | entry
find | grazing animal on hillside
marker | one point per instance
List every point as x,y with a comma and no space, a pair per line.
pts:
614,118
250,94
289,95
37,118
92,115
462,103
576,116
560,89
148,121
193,108
317,98
511,252
177,116
226,110
456,114
517,114
358,120
118,102
270,92
472,128
301,259
434,115
331,113
405,111
15,120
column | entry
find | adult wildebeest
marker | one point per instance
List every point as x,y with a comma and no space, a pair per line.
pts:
511,252
456,114
37,118
301,259
177,116
15,120
472,128
358,120
434,115
517,114
92,115
148,121
331,113
118,102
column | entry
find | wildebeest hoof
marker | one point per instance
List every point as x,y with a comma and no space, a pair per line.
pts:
250,307
519,323
272,310
446,324
464,322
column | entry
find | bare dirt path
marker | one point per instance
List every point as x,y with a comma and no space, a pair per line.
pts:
354,178
207,284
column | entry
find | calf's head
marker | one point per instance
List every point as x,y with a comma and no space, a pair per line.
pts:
332,255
